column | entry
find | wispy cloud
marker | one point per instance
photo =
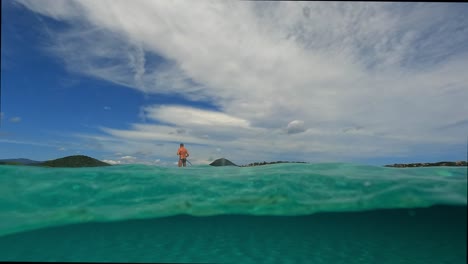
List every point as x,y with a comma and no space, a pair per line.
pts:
134,160
182,115
347,78
32,143
15,119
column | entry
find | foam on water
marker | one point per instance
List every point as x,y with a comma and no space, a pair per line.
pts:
34,197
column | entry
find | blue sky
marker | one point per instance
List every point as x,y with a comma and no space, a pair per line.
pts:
127,81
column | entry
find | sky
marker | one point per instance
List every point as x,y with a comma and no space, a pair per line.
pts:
127,81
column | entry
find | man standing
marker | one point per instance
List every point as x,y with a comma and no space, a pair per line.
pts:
183,154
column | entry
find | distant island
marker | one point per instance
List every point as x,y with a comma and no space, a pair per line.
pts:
222,162
268,163
76,161
442,163
226,162
19,162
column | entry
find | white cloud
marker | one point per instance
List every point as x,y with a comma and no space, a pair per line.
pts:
134,160
368,79
112,162
128,158
182,115
296,126
15,119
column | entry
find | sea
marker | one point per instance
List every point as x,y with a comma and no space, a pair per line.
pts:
279,213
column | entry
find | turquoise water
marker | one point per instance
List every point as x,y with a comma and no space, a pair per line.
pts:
281,213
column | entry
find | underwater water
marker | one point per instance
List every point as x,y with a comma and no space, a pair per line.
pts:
281,213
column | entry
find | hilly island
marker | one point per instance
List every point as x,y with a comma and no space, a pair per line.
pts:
69,162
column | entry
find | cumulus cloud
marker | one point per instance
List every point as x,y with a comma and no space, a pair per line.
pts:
296,126
371,75
112,162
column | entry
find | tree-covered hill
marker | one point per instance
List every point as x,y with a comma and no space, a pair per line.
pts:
74,161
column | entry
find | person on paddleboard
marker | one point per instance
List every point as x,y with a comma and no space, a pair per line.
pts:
182,152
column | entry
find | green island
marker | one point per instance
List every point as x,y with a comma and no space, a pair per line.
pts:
226,162
435,164
268,163
76,161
